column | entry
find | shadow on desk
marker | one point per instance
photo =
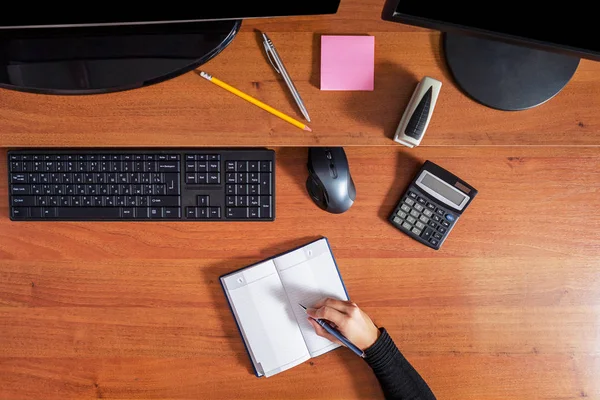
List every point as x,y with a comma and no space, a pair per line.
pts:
407,167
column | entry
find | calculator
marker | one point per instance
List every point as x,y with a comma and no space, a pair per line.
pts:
432,205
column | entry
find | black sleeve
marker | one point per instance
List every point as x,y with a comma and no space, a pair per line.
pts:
397,377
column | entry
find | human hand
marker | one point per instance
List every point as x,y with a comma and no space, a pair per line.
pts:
345,316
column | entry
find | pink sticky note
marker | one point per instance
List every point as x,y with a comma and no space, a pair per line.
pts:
347,62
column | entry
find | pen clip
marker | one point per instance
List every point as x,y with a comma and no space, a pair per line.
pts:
269,56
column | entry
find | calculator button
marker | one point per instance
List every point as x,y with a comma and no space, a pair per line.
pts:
411,220
414,213
421,200
420,225
432,224
436,218
424,219
397,220
401,214
428,213
433,241
446,224
427,233
405,208
437,236
450,217
407,226
430,206
418,207
412,195
416,231
408,201
441,229
441,212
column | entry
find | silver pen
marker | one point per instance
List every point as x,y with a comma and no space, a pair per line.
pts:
276,62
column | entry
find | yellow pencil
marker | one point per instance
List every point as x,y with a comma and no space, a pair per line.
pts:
254,101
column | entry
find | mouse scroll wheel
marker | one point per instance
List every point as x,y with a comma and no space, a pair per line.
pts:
328,155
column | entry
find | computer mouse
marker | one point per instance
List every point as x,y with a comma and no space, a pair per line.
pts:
329,182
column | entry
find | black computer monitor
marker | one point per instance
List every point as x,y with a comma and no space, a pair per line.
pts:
103,48
509,55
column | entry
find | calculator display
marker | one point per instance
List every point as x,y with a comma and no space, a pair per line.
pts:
443,189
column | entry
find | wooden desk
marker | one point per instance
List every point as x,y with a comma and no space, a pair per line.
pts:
188,111
508,309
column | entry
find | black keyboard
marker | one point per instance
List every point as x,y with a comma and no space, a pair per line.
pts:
125,184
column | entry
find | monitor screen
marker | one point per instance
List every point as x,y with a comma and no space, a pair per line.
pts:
567,25
50,15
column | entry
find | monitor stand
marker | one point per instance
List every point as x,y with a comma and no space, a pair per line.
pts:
106,59
506,76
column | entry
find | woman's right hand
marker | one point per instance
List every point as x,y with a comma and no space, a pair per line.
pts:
345,316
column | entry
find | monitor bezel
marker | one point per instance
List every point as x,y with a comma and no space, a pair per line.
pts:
389,14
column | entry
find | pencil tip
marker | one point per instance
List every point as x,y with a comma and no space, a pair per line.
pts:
306,128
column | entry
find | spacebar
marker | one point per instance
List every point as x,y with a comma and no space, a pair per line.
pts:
85,213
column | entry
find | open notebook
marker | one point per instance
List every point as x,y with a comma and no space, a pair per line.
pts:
264,300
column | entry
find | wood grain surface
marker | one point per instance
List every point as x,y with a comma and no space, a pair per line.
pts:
509,308
188,111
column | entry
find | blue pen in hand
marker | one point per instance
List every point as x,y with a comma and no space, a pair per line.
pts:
335,333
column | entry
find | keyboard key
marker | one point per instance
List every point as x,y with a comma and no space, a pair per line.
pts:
241,190
254,212
440,212
242,166
407,226
190,166
18,178
214,212
266,207
242,177
253,201
214,166
203,201
164,201
414,213
229,189
265,183
85,213
419,207
434,241
253,178
127,212
190,212
405,208
421,200
230,201
190,178
142,213
437,236
237,212
441,229
168,166
411,220
253,189
201,178
412,195
23,201
202,166
430,206
397,220
436,218
19,212
424,219
420,225
427,213
20,189
230,166
214,178
202,212
214,157
409,201
156,213
265,166
172,212
416,231
230,177
445,223
241,201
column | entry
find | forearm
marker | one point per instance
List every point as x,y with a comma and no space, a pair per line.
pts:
398,379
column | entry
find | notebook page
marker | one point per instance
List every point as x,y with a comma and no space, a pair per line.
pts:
308,275
265,317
